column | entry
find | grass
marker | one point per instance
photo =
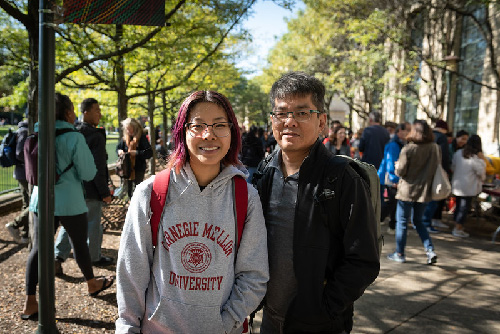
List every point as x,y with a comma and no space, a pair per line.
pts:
7,180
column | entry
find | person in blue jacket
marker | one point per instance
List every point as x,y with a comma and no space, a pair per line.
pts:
70,209
388,178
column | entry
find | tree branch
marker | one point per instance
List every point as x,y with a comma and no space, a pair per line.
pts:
119,52
15,13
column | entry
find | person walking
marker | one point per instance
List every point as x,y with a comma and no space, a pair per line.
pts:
323,248
135,143
433,210
196,280
373,140
19,228
69,210
96,191
469,172
388,178
416,167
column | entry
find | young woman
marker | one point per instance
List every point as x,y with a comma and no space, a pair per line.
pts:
70,207
136,143
194,280
337,143
458,142
416,167
469,172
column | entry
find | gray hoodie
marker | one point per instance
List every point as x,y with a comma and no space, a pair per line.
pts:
191,282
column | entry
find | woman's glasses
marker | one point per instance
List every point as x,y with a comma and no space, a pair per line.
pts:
220,129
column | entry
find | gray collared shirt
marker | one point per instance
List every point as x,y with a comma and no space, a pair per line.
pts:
282,285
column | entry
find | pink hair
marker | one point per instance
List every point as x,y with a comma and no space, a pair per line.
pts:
180,155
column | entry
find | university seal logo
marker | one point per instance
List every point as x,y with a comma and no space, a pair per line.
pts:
196,257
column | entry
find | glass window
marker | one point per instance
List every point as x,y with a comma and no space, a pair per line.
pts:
472,53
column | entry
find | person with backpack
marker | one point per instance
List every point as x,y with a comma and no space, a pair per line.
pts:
415,167
70,209
321,225
387,175
19,227
201,268
96,191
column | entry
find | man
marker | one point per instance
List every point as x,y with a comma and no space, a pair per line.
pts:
373,140
387,175
321,259
19,228
433,210
96,191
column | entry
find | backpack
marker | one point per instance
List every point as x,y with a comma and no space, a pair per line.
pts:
159,196
8,149
367,171
31,157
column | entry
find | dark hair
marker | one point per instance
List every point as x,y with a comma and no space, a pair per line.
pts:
390,124
180,154
472,147
454,144
462,133
400,126
63,104
335,131
420,133
299,84
87,104
375,116
253,130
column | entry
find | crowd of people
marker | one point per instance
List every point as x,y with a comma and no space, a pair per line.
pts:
308,246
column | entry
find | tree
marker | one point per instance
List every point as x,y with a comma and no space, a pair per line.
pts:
25,13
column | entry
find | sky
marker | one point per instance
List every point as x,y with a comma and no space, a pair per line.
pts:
266,25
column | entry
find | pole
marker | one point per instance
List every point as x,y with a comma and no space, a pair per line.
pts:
46,169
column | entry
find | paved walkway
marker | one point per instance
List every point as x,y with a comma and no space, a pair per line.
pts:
459,295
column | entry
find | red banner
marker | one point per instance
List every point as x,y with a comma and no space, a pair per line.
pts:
133,12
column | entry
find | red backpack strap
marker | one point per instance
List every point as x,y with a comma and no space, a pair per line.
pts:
241,200
158,197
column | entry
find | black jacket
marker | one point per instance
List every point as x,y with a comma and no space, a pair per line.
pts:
144,152
96,141
335,246
252,151
442,141
22,134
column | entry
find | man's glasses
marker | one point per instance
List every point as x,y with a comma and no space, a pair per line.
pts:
220,129
299,115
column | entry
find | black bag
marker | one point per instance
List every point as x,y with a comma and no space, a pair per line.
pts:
8,149
124,166
31,157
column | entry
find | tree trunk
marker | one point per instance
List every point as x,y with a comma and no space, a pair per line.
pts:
152,130
120,81
164,114
33,65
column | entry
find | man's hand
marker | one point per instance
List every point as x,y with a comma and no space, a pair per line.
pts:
107,199
120,152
